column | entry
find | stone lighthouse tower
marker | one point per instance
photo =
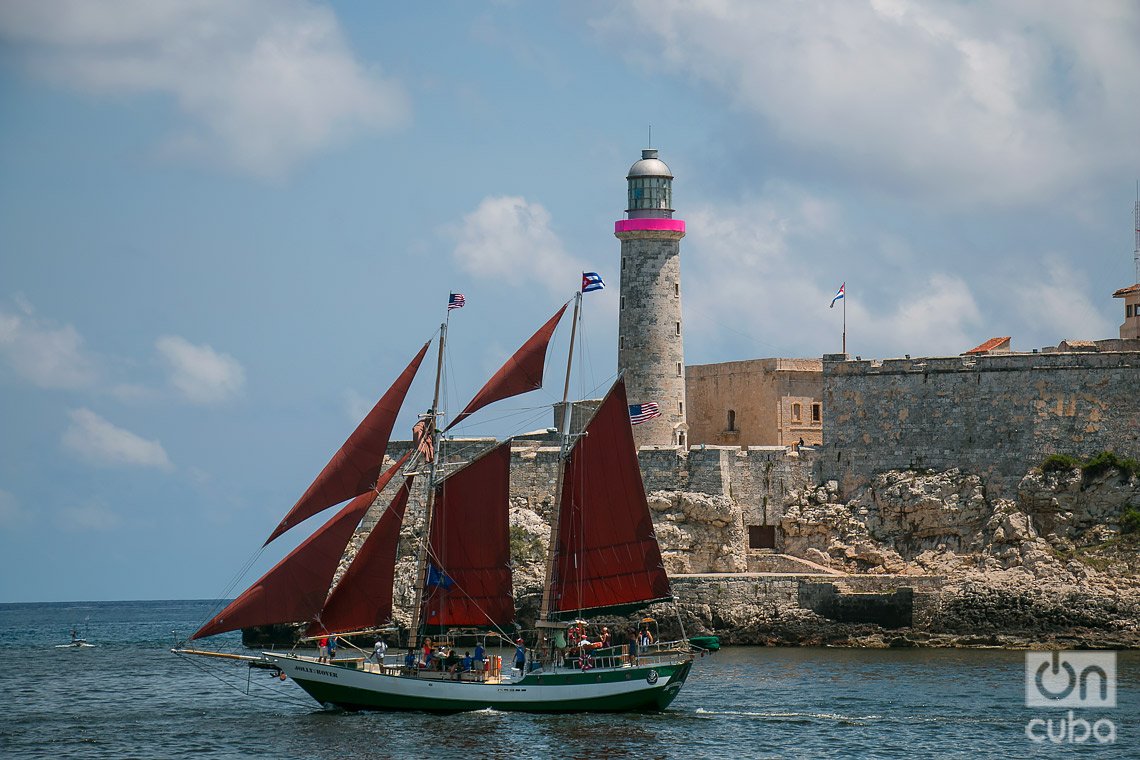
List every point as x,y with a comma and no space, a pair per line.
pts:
650,348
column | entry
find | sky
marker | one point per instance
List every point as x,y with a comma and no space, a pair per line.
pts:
226,226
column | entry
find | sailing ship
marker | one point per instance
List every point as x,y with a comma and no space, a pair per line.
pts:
603,559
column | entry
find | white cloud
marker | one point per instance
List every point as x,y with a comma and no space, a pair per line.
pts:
745,271
47,355
263,83
356,406
96,440
11,513
201,374
508,238
1059,301
981,102
89,517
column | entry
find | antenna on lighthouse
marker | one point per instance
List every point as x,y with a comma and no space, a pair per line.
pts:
1136,224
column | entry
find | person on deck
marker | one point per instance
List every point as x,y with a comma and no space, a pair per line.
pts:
410,660
605,642
520,656
480,655
632,637
323,649
468,663
332,648
451,663
559,646
427,652
378,651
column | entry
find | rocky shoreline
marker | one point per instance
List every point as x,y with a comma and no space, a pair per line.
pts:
1050,569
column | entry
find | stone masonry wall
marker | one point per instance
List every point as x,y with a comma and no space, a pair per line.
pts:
650,344
702,500
988,415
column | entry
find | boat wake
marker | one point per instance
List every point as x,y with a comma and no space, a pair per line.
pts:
795,717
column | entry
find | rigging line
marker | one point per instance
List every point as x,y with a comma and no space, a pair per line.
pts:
274,698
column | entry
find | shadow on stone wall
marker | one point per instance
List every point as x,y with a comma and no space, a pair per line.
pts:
894,610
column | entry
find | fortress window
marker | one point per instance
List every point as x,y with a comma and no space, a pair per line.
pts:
680,407
816,412
731,420
678,369
1128,311
623,303
797,412
676,290
678,328
623,264
621,341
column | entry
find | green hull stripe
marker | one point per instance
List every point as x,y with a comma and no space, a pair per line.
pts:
650,697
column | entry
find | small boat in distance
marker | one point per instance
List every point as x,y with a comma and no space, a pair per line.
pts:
77,641
603,559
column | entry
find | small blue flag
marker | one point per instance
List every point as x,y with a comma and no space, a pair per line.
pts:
591,281
437,577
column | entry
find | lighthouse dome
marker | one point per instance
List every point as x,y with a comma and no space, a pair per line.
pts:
649,166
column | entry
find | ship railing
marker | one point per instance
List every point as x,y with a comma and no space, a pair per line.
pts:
663,650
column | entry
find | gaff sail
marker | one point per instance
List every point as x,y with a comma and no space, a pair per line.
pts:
520,374
294,590
606,556
354,467
363,598
468,579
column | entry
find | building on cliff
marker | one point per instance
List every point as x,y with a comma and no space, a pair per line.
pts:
758,402
1130,328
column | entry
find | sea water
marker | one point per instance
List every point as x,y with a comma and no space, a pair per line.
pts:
128,696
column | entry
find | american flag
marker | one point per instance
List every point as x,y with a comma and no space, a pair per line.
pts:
639,413
456,301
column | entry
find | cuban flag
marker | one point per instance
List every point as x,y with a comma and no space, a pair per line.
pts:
639,413
456,301
838,295
591,281
437,577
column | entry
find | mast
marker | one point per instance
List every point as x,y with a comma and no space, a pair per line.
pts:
436,434
544,611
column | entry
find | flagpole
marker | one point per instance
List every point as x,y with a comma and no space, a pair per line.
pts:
569,363
844,318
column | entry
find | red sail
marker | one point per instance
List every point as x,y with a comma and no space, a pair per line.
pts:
469,571
363,598
294,590
354,468
522,372
607,554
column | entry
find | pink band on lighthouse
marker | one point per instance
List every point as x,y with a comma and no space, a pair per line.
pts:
634,225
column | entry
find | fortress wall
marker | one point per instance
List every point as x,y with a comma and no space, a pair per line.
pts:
989,415
755,480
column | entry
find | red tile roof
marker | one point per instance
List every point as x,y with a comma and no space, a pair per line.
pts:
989,345
1127,291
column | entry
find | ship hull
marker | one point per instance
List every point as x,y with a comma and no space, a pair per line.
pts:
637,688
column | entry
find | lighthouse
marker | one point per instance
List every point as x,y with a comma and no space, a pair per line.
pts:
650,331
